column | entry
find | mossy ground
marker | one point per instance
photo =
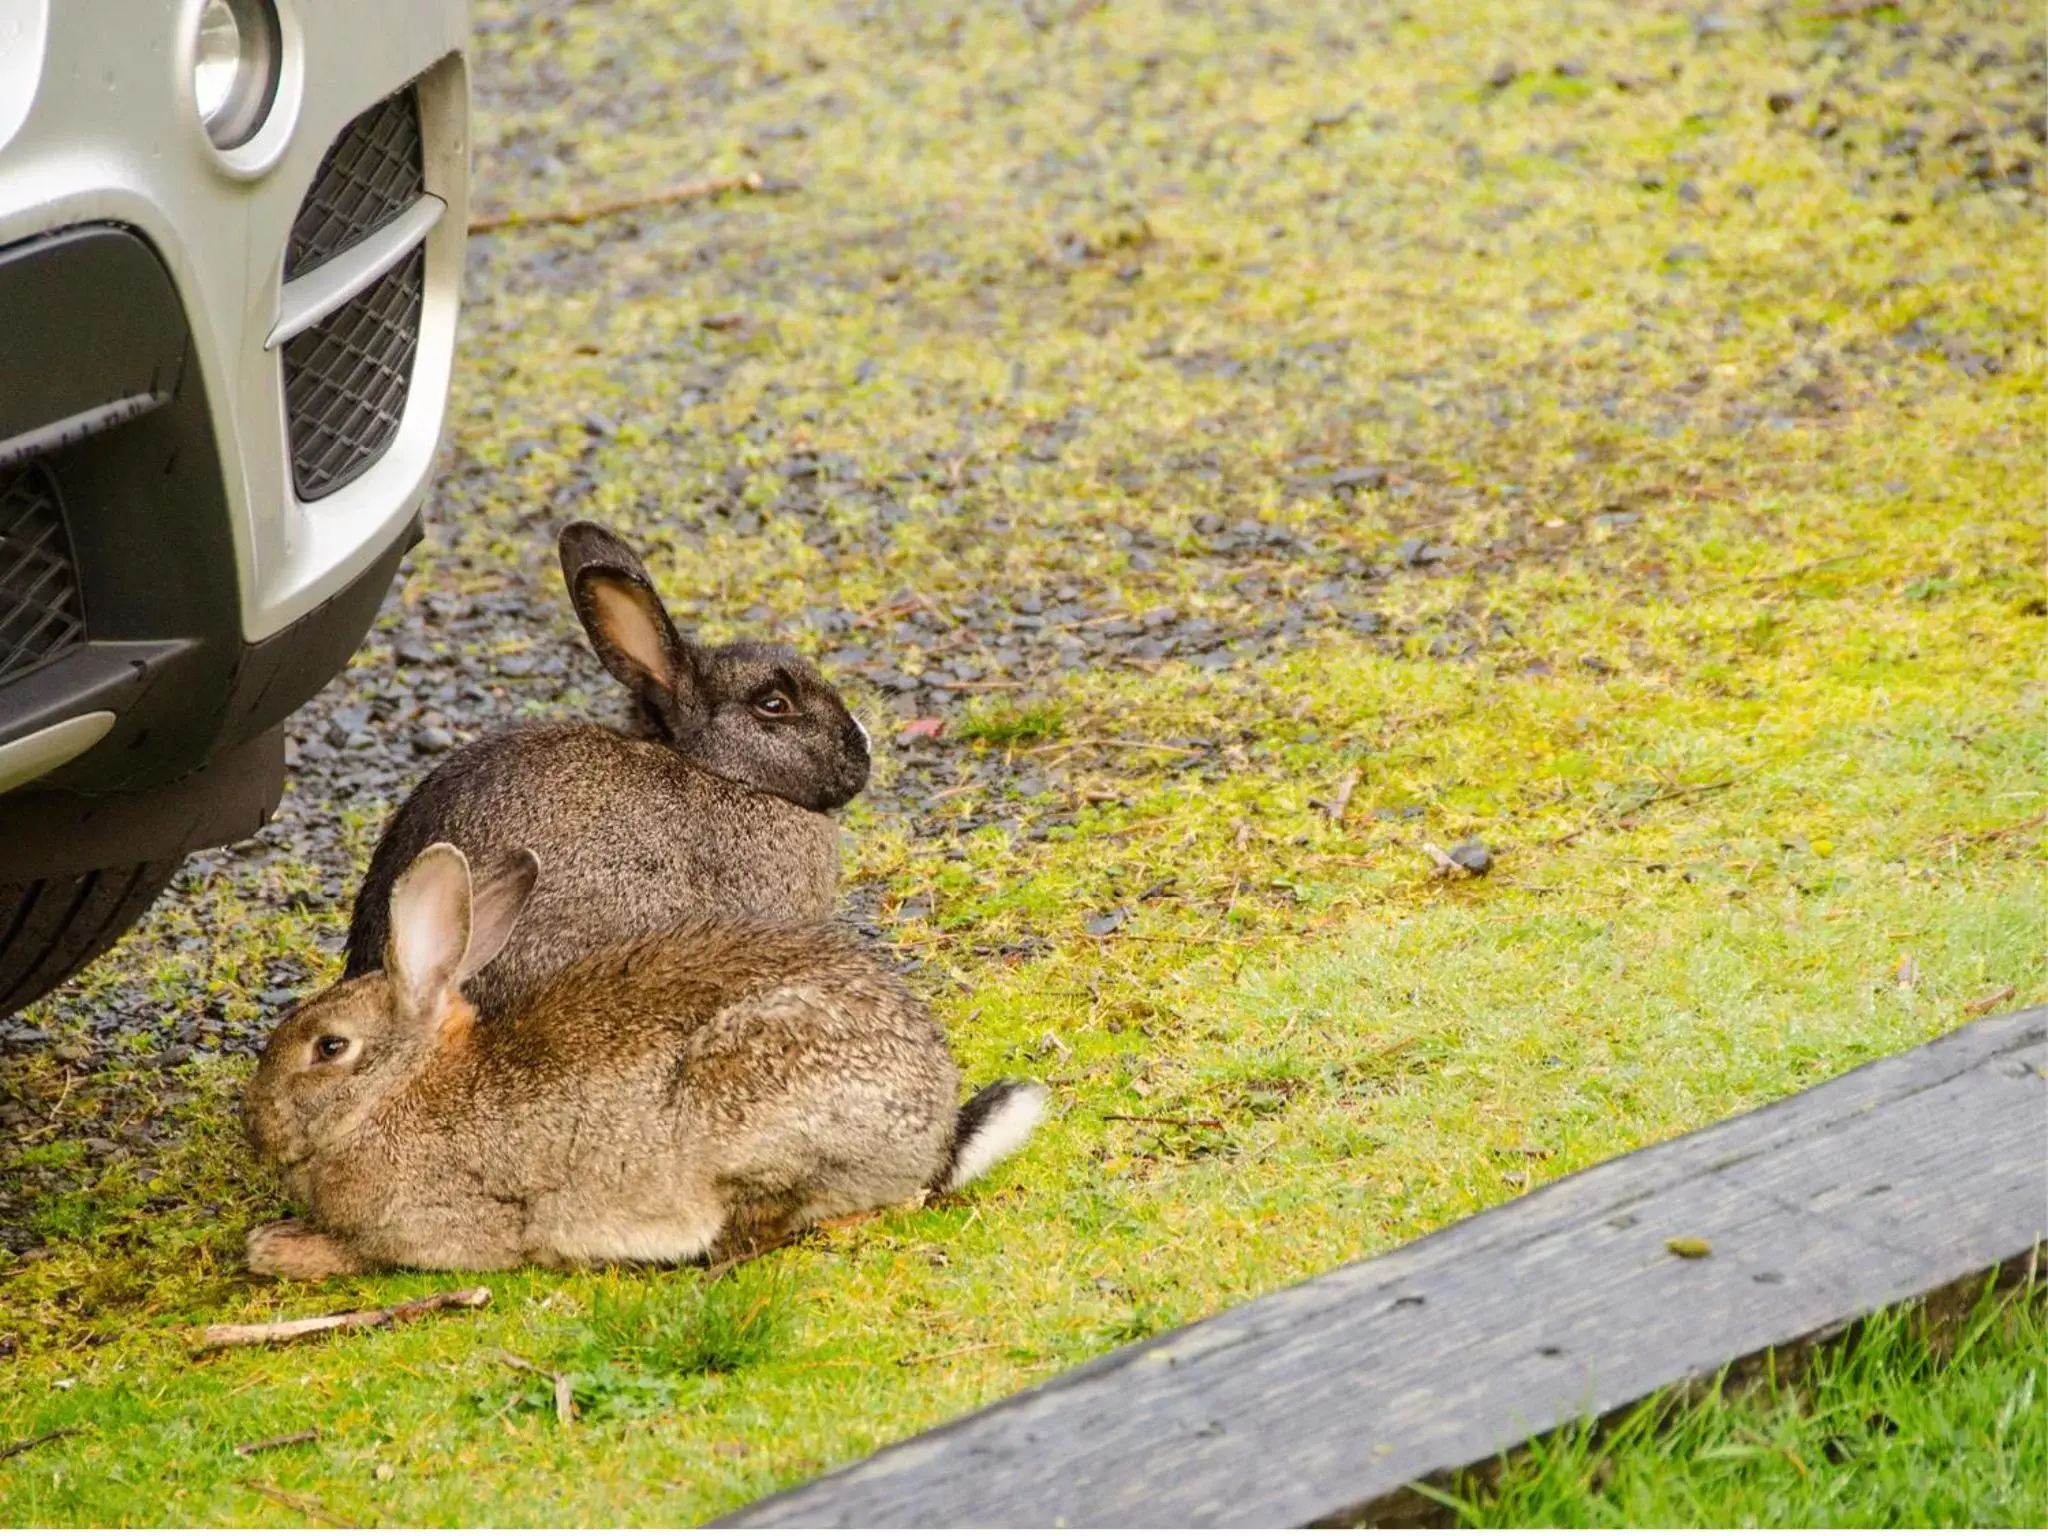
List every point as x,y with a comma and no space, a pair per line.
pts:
1698,574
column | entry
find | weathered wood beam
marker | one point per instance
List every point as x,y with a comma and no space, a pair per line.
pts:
1324,1402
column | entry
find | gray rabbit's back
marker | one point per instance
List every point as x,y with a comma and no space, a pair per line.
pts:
632,841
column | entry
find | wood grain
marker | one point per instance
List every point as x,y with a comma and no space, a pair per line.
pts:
1324,1402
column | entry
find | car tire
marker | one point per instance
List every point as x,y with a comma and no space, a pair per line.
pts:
50,930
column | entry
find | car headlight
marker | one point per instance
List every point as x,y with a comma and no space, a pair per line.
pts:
235,64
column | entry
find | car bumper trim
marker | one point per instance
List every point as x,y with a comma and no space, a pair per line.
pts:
308,300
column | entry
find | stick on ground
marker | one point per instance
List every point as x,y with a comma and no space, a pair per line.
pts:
1784,575
688,192
565,1390
225,1335
304,1503
277,1442
1678,792
1340,799
1077,742
8,1452
1989,1001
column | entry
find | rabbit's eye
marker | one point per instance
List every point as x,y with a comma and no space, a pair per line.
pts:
328,1047
774,705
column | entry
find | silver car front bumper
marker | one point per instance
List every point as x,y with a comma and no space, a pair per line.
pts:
325,357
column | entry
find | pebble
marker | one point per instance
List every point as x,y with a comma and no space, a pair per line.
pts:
1472,854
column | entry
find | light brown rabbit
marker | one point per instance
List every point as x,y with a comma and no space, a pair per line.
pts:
716,802
713,1088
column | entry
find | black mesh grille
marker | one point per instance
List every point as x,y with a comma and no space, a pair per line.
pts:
372,174
345,380
40,612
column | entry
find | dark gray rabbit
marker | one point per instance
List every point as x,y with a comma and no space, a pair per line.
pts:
714,804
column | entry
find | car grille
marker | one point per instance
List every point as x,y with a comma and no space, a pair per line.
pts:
346,379
41,615
371,175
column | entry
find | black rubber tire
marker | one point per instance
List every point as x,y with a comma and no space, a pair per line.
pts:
52,929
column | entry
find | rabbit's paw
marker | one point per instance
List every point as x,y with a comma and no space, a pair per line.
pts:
293,1250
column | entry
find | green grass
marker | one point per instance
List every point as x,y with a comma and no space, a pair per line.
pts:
1902,1427
637,1351
1012,727
1741,685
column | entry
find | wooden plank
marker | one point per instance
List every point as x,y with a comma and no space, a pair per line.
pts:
1321,1403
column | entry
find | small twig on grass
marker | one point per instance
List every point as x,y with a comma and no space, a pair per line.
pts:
979,687
1784,575
1139,826
225,1335
9,1452
1990,835
688,192
1335,806
727,1265
1682,792
304,1503
565,1392
1445,864
948,1354
1186,1125
278,1442
1989,1001
1114,741
1167,938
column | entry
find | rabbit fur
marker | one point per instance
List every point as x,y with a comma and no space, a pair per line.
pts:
717,806
707,1090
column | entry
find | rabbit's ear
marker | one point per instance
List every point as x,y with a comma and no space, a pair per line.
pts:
586,544
429,929
634,638
502,887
